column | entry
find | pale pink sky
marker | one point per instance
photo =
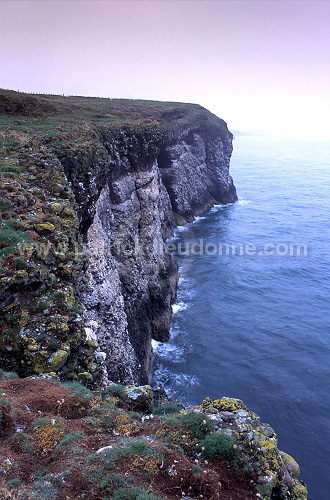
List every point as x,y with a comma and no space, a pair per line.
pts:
259,64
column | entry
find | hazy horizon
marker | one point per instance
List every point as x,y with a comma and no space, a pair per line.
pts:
261,65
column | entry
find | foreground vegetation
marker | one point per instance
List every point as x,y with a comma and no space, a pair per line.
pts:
65,442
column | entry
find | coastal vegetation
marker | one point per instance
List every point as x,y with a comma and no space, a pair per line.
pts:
64,442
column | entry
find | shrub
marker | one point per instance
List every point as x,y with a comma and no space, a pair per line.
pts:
219,445
133,494
125,424
199,424
67,440
48,431
13,483
167,408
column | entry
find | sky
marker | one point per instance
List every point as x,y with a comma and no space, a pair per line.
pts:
261,65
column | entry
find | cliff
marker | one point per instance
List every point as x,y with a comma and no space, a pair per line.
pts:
92,189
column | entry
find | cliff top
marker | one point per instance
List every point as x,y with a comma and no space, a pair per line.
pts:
97,112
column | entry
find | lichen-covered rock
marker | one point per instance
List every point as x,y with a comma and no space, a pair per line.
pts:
58,359
277,471
141,397
290,464
44,228
39,306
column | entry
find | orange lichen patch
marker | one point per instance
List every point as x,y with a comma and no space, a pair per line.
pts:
48,432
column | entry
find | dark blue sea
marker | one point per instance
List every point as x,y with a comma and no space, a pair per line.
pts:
251,319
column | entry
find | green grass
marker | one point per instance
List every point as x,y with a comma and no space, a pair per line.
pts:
199,424
79,390
133,494
133,448
7,375
68,440
14,483
166,408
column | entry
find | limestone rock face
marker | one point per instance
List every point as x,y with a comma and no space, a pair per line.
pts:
132,188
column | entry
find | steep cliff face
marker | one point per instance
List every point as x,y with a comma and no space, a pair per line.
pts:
131,191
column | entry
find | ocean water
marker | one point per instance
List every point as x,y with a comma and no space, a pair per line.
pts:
252,314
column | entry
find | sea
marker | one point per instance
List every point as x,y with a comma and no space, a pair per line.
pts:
251,320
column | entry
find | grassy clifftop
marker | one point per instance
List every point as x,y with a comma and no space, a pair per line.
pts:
47,112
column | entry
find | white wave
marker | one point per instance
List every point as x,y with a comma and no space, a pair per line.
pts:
179,306
198,219
171,352
181,229
155,344
216,208
166,378
243,202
